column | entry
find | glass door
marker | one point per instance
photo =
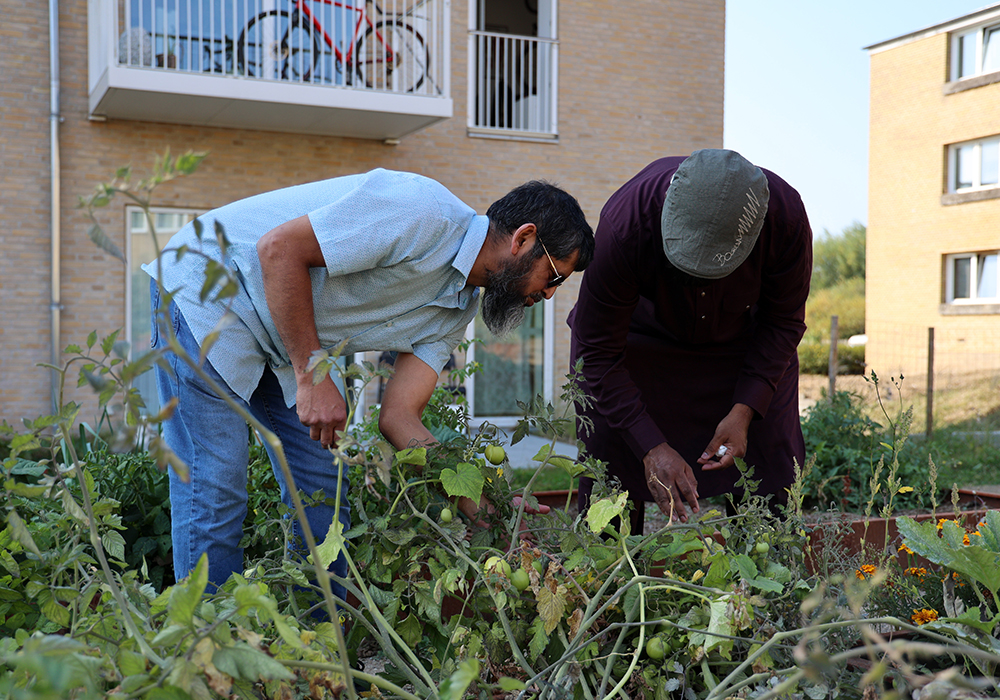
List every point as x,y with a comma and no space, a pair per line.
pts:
513,368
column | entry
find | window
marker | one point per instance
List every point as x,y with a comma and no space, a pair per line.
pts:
141,251
975,52
514,56
516,368
974,164
971,278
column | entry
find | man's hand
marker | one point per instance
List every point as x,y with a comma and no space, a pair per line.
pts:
322,408
670,480
731,434
475,512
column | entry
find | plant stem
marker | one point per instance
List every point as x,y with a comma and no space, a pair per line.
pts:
367,677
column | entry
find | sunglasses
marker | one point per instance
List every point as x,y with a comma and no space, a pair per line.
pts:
558,279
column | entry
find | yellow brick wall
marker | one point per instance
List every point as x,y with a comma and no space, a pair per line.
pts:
634,85
912,122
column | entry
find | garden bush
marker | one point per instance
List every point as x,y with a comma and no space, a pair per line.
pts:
845,300
849,449
814,358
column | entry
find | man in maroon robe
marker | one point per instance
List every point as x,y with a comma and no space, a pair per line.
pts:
687,323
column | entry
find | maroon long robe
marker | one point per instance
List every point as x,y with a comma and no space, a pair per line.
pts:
665,361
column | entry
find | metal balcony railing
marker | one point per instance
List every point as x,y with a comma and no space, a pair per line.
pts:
514,84
395,46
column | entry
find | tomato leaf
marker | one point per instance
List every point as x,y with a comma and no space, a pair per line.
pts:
455,685
416,456
243,661
604,510
467,481
551,606
184,598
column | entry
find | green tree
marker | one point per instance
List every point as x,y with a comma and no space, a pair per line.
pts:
838,257
838,284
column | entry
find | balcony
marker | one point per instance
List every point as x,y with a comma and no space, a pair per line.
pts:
325,67
514,86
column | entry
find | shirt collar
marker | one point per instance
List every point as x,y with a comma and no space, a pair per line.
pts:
472,243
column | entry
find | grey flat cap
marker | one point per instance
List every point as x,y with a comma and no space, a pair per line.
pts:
713,212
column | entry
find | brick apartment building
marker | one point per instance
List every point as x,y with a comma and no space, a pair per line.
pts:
483,95
934,197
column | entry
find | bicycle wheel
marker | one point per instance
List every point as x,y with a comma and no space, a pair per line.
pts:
277,47
392,56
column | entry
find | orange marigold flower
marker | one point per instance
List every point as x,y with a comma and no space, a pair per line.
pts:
922,617
865,571
965,539
916,571
904,548
941,522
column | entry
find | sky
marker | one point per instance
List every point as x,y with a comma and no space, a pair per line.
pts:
796,91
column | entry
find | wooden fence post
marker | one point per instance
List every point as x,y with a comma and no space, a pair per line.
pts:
930,382
832,365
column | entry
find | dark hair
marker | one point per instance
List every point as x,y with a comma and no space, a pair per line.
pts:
561,224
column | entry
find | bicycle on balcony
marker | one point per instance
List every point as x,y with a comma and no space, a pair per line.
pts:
382,52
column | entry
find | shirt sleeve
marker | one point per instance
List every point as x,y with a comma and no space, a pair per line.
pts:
781,307
609,294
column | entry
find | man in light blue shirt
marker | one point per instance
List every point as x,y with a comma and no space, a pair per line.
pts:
381,261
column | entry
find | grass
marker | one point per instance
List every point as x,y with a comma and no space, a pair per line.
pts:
969,402
550,479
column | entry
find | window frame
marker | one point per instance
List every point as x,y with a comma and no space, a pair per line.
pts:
980,32
975,259
548,371
187,214
953,170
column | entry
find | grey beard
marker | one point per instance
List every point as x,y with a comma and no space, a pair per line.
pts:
502,303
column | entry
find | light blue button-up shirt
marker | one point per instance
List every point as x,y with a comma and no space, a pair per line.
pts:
398,247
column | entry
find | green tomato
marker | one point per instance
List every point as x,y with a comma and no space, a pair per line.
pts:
495,454
520,579
539,566
498,564
446,515
654,648
762,547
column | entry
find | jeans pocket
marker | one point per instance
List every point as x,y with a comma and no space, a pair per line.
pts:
154,304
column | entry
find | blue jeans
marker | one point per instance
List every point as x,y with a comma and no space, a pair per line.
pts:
212,439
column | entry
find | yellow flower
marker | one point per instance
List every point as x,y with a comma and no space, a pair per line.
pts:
904,548
499,471
697,575
865,571
965,539
922,617
905,489
941,522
